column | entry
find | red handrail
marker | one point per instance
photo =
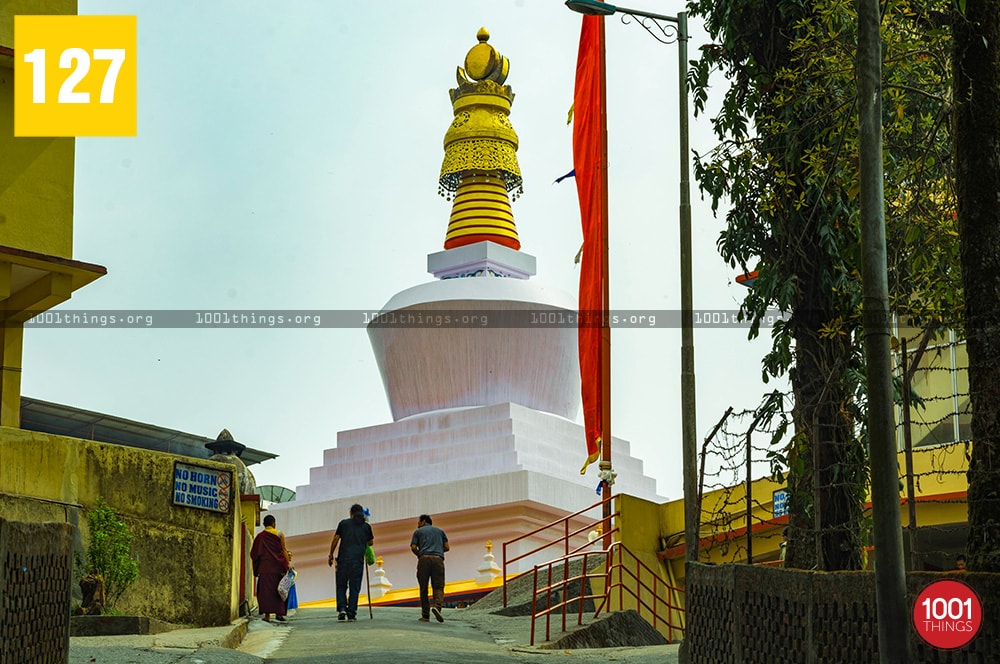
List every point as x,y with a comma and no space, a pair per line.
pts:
564,539
613,558
563,583
636,576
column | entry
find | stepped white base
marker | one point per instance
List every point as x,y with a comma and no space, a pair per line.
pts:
484,473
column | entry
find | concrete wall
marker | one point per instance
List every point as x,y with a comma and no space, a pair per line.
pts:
189,559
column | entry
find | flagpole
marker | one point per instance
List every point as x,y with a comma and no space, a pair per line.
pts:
606,299
590,158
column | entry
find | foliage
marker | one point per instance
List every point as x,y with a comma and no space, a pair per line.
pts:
109,552
787,161
977,146
788,157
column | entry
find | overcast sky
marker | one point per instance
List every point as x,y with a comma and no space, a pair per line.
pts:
287,159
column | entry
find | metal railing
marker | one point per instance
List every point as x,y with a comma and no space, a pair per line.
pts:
618,570
564,539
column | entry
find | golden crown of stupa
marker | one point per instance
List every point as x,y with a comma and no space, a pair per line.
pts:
480,151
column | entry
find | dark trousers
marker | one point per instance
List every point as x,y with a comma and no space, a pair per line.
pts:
349,575
430,568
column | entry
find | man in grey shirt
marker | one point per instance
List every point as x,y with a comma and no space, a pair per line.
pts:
429,544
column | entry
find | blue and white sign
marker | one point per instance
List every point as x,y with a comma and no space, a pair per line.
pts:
780,497
203,488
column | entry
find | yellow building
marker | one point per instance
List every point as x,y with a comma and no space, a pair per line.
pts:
37,270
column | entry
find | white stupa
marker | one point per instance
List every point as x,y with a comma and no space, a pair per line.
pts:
481,371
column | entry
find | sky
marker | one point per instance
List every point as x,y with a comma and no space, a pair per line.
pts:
287,158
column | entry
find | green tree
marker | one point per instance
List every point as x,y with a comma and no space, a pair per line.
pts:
788,164
109,553
977,149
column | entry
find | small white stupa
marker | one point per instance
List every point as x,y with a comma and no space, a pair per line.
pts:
488,570
380,585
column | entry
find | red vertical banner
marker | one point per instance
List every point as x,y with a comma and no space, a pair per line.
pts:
588,161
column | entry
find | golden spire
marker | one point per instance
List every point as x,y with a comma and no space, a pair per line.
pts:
480,152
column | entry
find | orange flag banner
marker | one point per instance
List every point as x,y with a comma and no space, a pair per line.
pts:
588,162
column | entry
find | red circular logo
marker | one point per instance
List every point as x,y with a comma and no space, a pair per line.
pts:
947,614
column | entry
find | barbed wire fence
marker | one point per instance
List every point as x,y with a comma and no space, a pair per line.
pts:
739,446
933,423
932,415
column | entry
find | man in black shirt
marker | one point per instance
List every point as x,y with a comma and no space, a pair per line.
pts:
354,535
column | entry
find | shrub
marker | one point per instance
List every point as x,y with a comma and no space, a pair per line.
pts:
109,554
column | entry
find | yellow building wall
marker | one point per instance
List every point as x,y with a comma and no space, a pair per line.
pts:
189,559
639,527
640,532
671,519
36,174
940,469
250,509
11,8
724,523
11,347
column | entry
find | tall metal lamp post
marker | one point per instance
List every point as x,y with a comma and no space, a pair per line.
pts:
669,29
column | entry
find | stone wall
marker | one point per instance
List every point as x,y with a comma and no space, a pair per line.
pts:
741,614
189,559
36,575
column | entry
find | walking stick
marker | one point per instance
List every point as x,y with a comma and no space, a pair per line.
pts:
368,593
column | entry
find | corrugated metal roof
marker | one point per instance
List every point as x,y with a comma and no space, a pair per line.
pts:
62,420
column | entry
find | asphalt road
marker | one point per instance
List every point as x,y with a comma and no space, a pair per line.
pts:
393,636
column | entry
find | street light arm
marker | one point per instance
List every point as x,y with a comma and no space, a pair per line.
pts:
664,29
655,17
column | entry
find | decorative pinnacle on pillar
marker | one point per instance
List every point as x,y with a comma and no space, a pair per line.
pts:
480,152
224,443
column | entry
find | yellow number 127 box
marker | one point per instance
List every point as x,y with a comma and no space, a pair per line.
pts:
74,76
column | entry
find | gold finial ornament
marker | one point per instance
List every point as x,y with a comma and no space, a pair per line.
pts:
484,62
480,151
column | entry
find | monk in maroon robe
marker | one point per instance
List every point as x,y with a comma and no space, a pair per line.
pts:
270,563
